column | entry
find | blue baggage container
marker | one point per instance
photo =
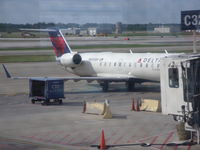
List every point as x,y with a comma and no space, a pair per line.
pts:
46,90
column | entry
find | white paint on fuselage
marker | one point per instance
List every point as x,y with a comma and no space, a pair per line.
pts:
133,65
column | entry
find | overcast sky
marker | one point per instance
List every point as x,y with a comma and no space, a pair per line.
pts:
94,11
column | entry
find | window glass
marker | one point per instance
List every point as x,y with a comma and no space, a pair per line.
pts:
173,78
158,65
120,64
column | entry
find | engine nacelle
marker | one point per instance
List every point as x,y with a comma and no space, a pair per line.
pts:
71,60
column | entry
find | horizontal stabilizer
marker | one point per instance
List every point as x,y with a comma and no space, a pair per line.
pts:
39,30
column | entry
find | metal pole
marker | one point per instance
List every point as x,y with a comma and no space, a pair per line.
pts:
197,132
194,42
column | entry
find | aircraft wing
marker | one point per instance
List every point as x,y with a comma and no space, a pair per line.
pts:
76,79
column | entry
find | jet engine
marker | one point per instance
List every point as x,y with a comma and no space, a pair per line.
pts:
71,60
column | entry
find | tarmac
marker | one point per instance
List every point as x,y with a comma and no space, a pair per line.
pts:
169,43
170,49
27,126
45,42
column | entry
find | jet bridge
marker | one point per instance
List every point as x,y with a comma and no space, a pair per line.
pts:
180,90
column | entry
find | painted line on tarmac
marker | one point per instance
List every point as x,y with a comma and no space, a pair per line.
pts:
119,139
87,139
176,147
45,137
149,137
5,146
62,139
166,140
154,139
77,141
66,137
71,139
113,134
95,140
189,147
51,140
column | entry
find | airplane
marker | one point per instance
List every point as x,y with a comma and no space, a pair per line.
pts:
103,67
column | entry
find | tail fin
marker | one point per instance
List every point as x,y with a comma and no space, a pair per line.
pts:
59,43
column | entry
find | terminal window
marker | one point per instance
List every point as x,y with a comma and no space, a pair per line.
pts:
173,78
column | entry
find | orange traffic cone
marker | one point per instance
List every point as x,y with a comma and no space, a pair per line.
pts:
137,106
102,142
133,105
84,107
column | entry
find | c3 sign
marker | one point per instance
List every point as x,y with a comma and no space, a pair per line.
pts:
190,20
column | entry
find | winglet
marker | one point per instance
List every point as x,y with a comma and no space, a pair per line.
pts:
6,71
131,51
166,52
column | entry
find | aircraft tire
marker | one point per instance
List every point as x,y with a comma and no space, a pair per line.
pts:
33,101
130,85
105,86
60,102
45,102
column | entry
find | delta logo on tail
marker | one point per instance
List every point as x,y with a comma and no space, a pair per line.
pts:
59,44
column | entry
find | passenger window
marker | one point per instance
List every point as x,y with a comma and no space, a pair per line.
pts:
173,78
115,64
129,64
140,64
158,65
120,64
146,65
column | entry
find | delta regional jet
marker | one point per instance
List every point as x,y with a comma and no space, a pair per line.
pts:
103,67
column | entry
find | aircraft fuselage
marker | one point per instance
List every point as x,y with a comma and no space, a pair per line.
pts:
107,64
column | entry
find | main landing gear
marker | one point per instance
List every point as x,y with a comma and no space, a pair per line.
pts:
105,86
129,84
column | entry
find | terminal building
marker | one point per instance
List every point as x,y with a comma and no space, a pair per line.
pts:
72,31
99,31
162,30
118,28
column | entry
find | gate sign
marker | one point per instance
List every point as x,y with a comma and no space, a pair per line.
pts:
190,20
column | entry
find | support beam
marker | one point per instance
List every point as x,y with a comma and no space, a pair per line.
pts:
194,42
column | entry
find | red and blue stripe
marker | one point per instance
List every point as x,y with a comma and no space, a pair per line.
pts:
59,44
